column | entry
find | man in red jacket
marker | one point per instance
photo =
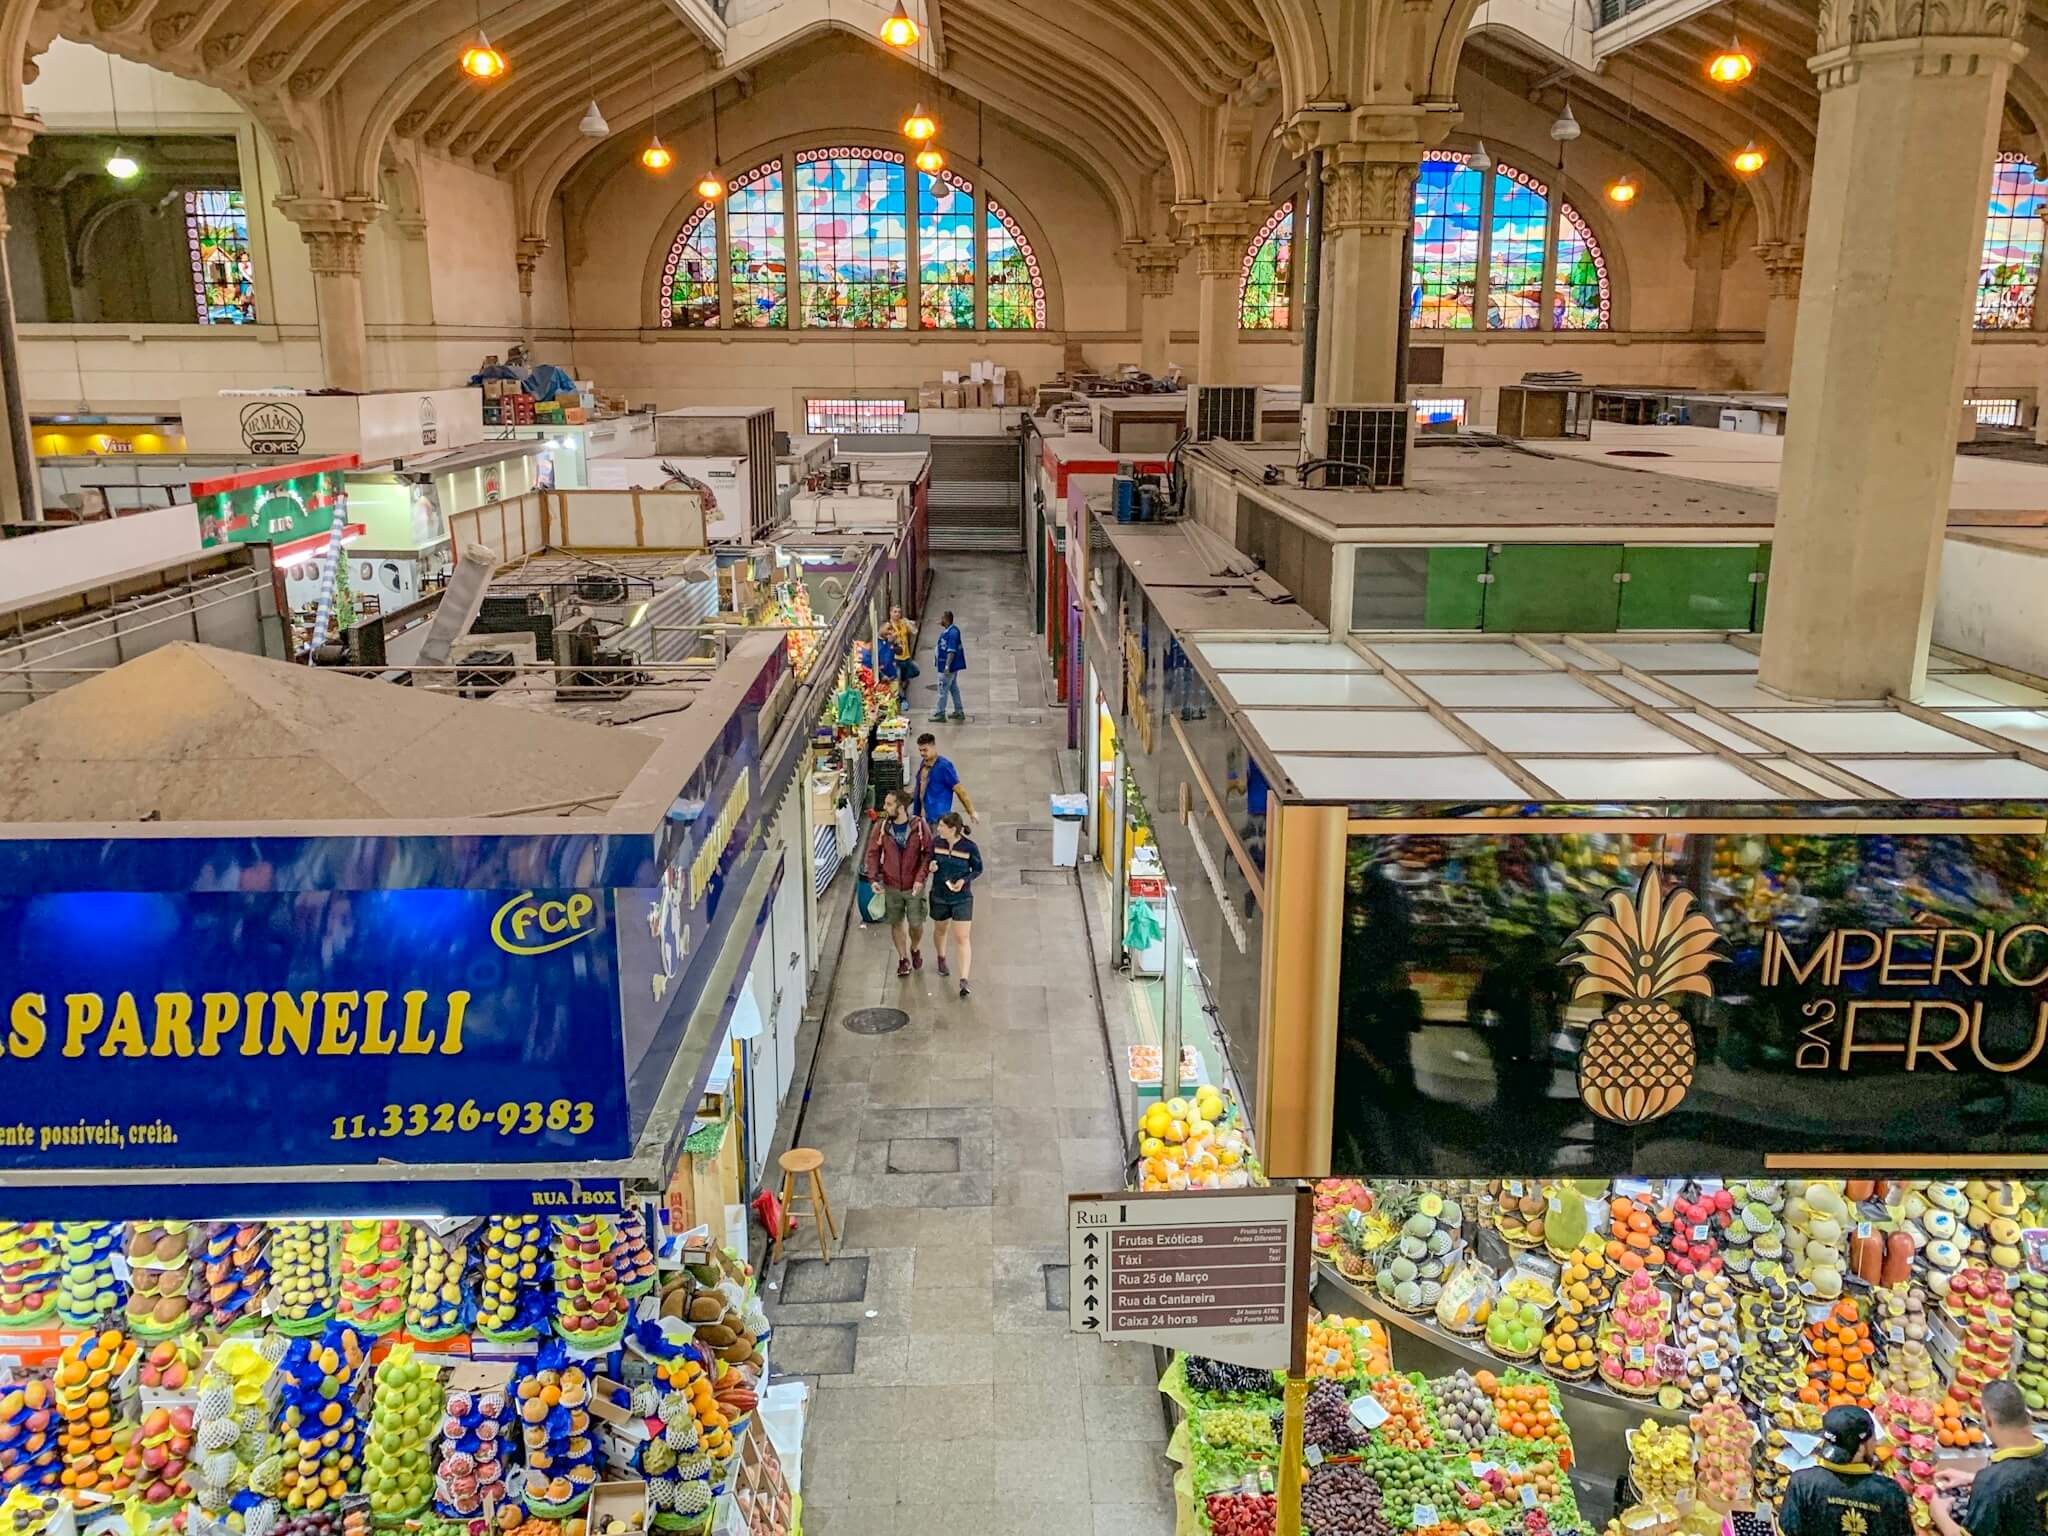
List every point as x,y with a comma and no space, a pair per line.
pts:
898,861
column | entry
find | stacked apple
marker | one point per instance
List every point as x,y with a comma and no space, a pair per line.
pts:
633,1257
1639,1322
302,1276
406,1410
319,1423
590,1304
89,1290
29,1447
1697,1225
1722,1434
514,1265
1980,1299
476,1430
433,1298
237,1268
1335,1198
157,1465
373,1275
28,1272
86,1375
160,1301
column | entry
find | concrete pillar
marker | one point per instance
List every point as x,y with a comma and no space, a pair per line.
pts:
1157,264
1220,232
1908,127
531,249
1368,207
333,229
20,500
1783,262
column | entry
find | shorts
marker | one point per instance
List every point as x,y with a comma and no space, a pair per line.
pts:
952,906
903,907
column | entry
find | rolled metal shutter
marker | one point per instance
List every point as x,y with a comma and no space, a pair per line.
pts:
975,500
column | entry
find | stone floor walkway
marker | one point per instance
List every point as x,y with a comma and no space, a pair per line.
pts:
947,1393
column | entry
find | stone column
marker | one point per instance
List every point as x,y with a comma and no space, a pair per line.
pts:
1220,232
333,229
1368,207
531,249
20,499
1910,104
1783,262
1157,263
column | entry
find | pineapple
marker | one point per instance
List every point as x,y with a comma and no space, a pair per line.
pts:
1637,1059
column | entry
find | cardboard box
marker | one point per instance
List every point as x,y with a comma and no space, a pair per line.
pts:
984,393
625,1501
615,1416
953,397
930,397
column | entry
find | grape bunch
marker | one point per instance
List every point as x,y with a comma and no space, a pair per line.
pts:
1464,1410
1206,1375
1244,1429
1326,1420
1342,1499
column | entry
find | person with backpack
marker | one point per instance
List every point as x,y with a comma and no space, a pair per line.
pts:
898,860
956,865
949,660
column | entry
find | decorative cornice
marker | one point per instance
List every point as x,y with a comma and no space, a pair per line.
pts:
1370,192
527,257
1848,23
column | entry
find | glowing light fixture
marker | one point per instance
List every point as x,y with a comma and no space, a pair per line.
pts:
122,166
480,61
930,160
710,188
1732,65
1749,159
1623,192
899,31
920,125
657,156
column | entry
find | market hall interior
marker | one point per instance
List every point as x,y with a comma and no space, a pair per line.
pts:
554,552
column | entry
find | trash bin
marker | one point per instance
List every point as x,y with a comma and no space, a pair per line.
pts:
1069,815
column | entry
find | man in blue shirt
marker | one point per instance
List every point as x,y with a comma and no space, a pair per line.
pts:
938,782
949,660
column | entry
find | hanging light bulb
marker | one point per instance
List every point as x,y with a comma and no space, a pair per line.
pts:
122,166
480,61
1749,159
710,188
593,125
929,160
1732,65
657,156
1623,192
899,31
1564,128
1482,160
920,125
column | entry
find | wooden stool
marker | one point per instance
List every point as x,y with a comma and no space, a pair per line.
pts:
805,1162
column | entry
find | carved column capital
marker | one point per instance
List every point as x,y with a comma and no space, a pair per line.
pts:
1219,232
1784,262
527,258
1157,264
1939,36
333,229
1369,192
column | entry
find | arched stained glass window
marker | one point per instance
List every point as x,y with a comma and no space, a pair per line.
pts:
1263,291
1583,300
945,252
1517,232
853,239
2012,247
689,278
223,273
1016,288
756,236
1445,278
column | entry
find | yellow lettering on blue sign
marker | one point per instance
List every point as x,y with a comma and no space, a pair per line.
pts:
170,1025
524,926
718,838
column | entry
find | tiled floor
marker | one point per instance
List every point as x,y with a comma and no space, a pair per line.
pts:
950,1147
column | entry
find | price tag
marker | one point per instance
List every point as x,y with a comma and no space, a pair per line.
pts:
1699,1233
1776,1335
1514,1187
1369,1411
1708,1186
1896,1333
1481,1468
1636,1357
1528,1495
1865,1229
1313,1456
1425,1514
1332,1357
118,1262
1710,1360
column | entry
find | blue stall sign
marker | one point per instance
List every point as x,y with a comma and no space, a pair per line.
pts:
212,1028
199,1200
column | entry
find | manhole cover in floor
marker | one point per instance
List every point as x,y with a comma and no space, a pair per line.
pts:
875,1021
1026,719
1026,834
1045,877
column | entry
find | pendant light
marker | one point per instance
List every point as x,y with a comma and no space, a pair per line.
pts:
899,31
1749,159
657,156
1481,159
1622,192
593,125
1564,128
480,61
121,165
1733,64
920,126
711,186
930,160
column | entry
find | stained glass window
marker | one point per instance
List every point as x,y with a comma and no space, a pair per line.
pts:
1445,277
945,252
223,274
1262,291
755,235
1582,301
2012,247
852,242
1519,221
1016,288
689,278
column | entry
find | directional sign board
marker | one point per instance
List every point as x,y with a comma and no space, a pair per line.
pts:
1221,1273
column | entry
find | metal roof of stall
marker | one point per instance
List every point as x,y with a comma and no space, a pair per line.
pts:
1640,720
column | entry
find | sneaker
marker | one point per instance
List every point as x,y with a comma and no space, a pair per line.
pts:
963,989
959,717
938,720
902,967
942,967
917,959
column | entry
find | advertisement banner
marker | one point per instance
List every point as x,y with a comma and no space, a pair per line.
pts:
1658,1002
218,1028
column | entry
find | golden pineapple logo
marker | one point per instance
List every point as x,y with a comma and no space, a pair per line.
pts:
1637,1060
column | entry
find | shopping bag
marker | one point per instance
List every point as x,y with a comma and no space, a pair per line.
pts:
867,898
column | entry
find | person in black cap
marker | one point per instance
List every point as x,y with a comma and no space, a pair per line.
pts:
1844,1494
2007,1497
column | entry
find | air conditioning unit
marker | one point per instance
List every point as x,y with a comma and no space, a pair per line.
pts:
482,673
1357,445
1538,413
1227,411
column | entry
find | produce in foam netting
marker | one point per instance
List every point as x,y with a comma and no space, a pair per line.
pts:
237,1396
302,1275
89,1291
374,1270
553,1406
479,1442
